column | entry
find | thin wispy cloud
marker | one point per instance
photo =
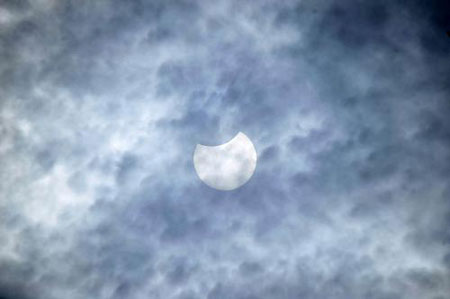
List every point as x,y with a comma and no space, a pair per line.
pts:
103,102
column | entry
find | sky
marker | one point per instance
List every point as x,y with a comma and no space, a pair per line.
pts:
103,102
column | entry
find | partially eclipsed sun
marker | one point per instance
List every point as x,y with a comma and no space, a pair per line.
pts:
227,166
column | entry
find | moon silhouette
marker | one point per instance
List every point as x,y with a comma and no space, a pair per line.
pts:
227,166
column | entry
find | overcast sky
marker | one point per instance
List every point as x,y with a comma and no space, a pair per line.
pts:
103,102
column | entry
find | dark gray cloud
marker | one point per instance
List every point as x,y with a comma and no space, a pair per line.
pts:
103,102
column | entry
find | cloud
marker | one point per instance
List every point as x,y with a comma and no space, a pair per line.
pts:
103,103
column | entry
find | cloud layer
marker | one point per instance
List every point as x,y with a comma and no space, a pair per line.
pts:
103,102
